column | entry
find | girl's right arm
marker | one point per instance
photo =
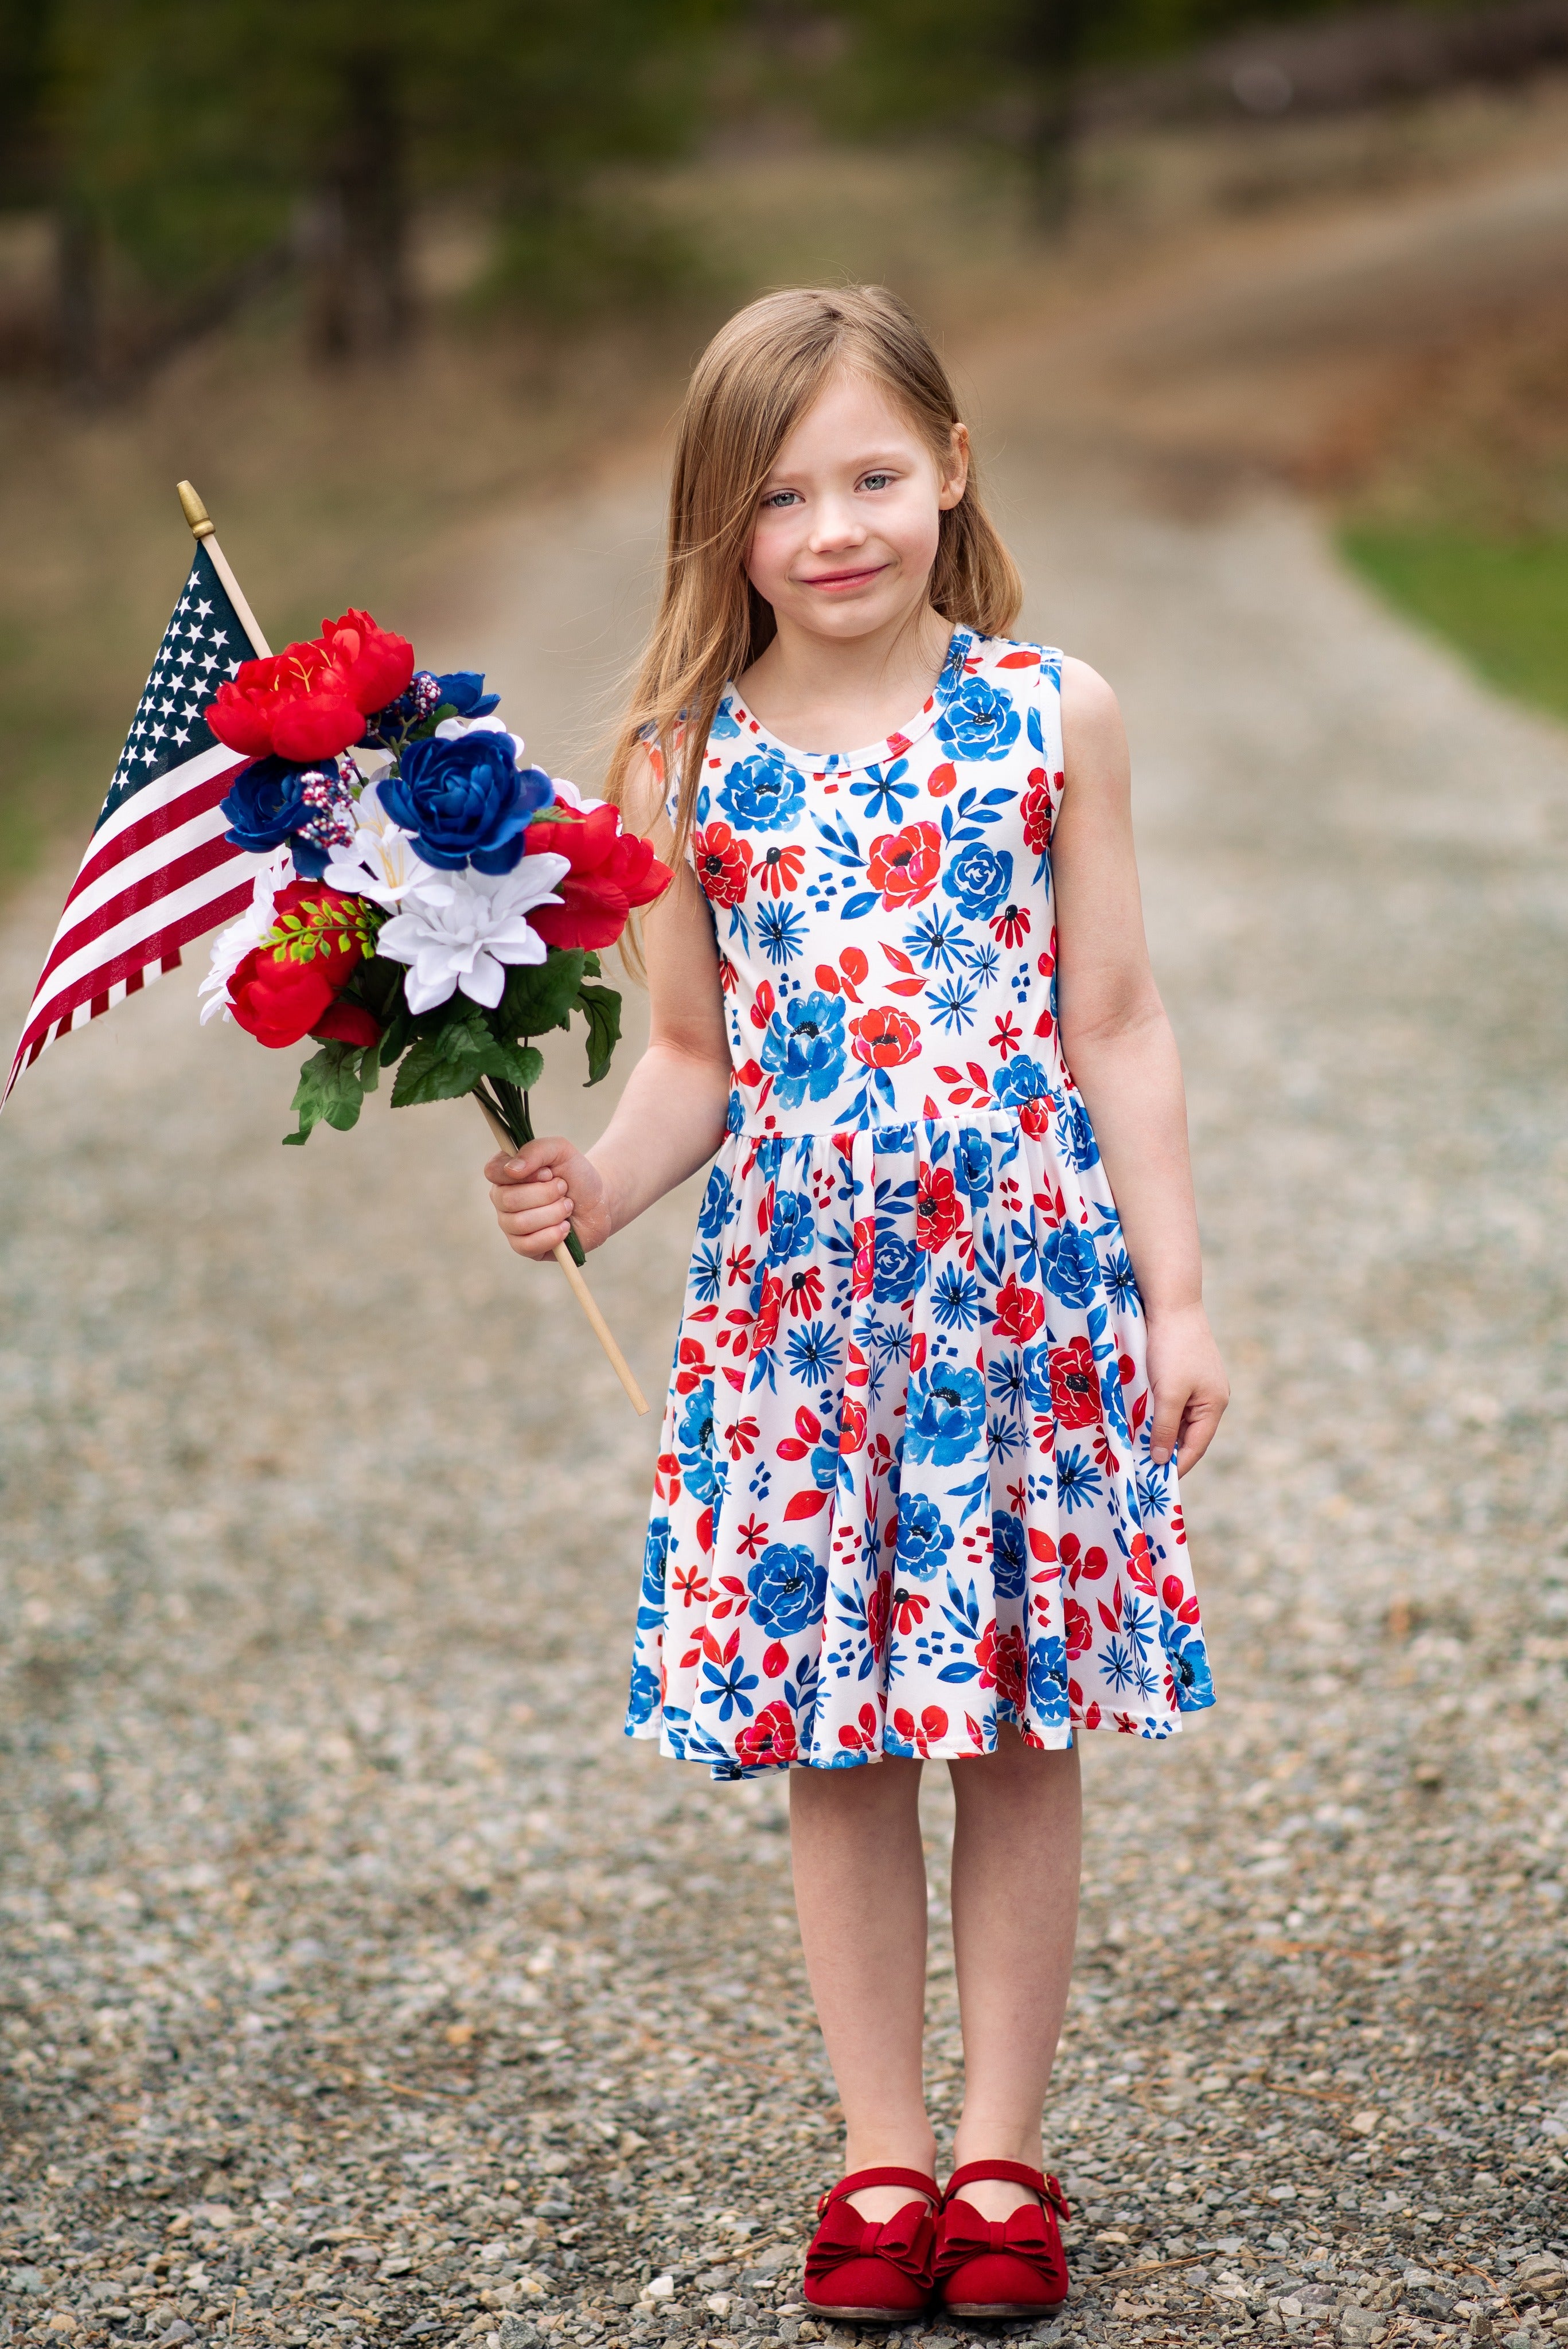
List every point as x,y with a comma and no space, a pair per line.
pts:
670,1117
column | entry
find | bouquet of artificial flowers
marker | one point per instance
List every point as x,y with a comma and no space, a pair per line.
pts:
424,897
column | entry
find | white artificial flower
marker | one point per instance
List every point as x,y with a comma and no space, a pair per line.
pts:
464,933
452,730
383,863
230,948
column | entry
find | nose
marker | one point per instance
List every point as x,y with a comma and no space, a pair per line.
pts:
837,526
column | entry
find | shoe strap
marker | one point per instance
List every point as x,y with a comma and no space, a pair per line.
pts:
857,2179
1013,2173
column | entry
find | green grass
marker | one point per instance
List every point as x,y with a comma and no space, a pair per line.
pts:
1502,602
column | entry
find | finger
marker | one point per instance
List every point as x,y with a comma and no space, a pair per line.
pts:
1170,1405
1198,1426
539,1244
543,1214
514,1198
535,1159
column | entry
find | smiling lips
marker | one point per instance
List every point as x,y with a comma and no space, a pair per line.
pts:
840,580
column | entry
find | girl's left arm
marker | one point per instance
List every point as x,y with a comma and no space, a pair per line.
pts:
1116,1041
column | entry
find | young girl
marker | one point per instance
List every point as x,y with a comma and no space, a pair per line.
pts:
943,1337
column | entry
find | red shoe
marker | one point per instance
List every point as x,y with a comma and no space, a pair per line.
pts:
1002,2267
869,2271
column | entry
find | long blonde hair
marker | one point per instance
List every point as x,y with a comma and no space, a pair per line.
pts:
756,378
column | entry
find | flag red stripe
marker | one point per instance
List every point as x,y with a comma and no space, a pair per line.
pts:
138,896
165,819
92,986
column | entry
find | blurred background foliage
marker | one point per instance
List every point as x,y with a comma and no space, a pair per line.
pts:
365,272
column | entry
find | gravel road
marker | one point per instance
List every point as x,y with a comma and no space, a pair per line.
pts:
361,1984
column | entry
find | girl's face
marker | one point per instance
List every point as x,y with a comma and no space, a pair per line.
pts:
846,524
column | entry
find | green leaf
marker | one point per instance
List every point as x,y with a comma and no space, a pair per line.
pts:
369,1068
330,1088
520,1064
442,1066
540,995
600,1006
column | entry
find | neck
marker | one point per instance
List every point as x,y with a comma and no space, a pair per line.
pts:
810,689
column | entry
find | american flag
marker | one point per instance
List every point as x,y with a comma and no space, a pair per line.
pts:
158,871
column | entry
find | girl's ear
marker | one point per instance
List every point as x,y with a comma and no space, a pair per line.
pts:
956,479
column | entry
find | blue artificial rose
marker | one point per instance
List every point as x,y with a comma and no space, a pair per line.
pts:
1069,1267
971,1164
1022,1079
788,1588
1188,1661
762,794
644,1695
1009,1554
802,1049
463,689
696,1441
924,1540
466,802
1076,1137
979,722
895,1273
655,1557
715,1212
266,802
793,1229
945,1414
1048,1678
978,879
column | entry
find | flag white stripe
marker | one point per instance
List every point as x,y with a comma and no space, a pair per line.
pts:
154,795
208,823
99,952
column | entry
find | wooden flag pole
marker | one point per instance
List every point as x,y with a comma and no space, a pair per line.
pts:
202,531
580,1290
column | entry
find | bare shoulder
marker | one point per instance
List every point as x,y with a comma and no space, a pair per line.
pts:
1091,714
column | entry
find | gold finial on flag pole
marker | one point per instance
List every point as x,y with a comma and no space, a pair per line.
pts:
205,534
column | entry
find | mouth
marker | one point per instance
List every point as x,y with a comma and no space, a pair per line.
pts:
839,583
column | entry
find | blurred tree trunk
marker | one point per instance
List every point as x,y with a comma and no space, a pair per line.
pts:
356,236
79,302
1053,38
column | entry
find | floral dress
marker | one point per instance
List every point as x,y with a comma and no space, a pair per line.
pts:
903,1490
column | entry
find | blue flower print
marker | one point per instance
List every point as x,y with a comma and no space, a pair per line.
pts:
813,1353
655,1556
1121,1282
1037,1380
781,932
696,1441
715,1212
945,1414
1078,1482
955,1298
896,1267
788,1587
1009,1554
726,726
1076,1136
924,1540
1048,1678
730,1688
802,1049
644,1695
979,722
978,879
762,794
971,1164
1068,1265
1189,1657
793,1228
1022,1079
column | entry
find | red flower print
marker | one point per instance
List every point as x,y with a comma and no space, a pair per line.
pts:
739,1266
1140,1565
724,863
1034,1117
877,1609
766,1329
1020,1311
740,1435
910,1609
1075,1386
780,869
852,1428
1036,813
690,1585
1008,1035
904,865
804,1291
1001,1660
885,1037
1010,927
1080,1631
750,1537
933,1724
770,1737
938,1209
860,1738
865,1257
1081,1563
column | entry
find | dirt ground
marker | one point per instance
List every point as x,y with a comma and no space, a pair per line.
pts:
361,1984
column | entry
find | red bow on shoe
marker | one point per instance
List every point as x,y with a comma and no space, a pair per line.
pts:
1029,2233
906,2241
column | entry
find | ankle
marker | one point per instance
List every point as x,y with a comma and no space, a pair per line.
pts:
979,2141
913,2147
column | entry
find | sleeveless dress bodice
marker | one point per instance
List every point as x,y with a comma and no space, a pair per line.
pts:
903,1490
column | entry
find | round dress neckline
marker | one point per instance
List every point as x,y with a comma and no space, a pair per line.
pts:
891,746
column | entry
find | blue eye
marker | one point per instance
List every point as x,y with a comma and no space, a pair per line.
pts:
778,497
875,480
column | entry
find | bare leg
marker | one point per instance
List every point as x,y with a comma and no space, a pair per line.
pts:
1017,1841
860,1892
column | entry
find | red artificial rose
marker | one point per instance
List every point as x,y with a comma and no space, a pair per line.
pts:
611,872
884,1039
939,1210
771,1737
375,666
904,864
277,1000
1074,1384
346,1023
1019,1310
724,863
